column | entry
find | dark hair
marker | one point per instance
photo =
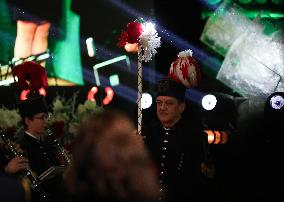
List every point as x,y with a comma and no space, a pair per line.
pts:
108,158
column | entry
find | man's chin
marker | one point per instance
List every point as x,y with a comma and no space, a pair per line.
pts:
163,119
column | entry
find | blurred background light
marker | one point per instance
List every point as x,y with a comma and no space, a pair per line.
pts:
277,101
146,100
248,47
91,47
114,80
277,2
261,1
209,102
109,95
245,1
92,92
213,1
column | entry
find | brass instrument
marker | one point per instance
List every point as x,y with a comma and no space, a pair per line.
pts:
35,182
63,152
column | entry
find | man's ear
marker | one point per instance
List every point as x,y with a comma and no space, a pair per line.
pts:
182,106
27,120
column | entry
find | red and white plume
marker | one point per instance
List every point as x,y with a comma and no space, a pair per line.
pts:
143,33
185,69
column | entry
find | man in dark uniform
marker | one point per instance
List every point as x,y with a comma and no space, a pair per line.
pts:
176,144
41,156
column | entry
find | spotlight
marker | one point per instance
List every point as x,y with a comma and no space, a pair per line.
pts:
219,111
276,101
146,100
275,104
273,114
209,102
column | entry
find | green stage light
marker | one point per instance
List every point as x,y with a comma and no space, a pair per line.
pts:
66,63
213,1
114,80
252,14
245,1
261,1
106,63
277,1
263,14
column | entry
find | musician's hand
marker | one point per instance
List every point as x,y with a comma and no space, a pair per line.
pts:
18,148
16,164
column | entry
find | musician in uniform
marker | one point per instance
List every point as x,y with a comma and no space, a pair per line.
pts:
41,155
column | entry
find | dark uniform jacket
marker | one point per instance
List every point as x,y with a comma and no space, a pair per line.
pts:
41,157
178,154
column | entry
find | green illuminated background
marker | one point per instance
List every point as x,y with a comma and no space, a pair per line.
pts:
66,62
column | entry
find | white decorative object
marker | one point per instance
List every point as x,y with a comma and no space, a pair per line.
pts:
149,41
223,27
254,65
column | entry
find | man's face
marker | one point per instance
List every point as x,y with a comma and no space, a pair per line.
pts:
169,110
38,124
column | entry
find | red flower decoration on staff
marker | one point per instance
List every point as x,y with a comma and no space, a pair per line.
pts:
131,35
30,75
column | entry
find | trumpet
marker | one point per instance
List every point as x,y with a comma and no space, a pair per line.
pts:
35,182
63,152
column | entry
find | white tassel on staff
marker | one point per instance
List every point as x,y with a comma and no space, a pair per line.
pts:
148,42
145,35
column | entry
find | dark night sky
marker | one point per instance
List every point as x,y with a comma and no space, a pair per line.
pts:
184,21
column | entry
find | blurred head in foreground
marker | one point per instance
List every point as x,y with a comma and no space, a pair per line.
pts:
110,161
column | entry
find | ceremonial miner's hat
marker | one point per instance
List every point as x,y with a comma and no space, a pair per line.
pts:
32,106
169,87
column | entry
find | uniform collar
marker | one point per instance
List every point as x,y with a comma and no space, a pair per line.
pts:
32,136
